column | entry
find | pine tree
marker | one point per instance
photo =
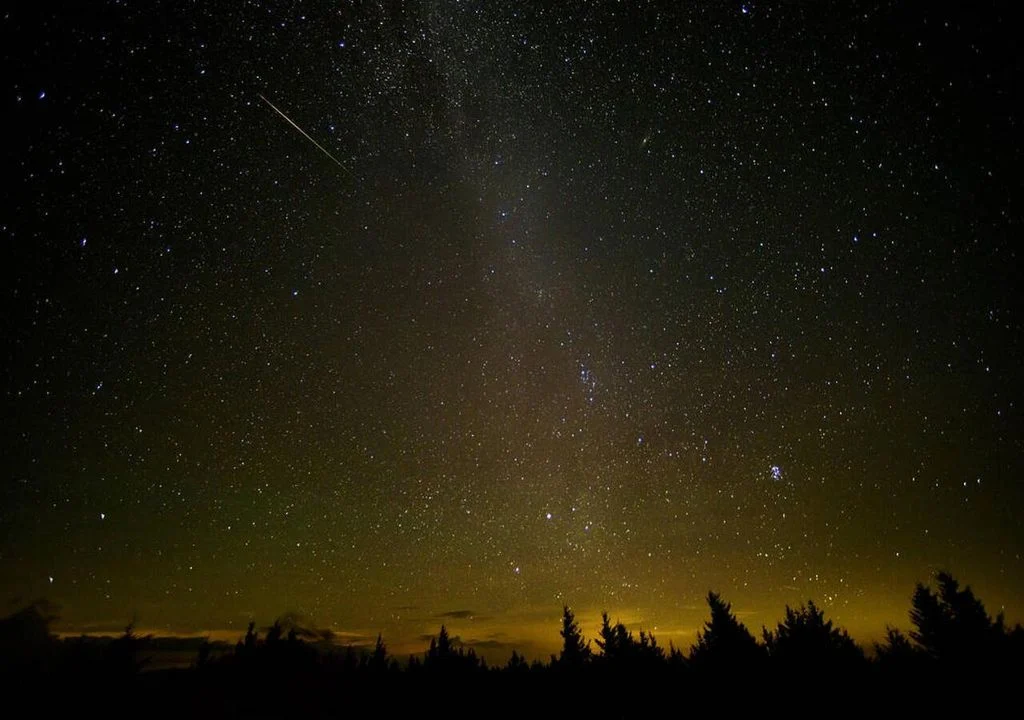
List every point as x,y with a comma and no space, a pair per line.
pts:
517,664
897,652
379,658
648,652
274,633
444,643
614,640
676,659
622,651
251,637
443,656
575,650
808,641
953,625
121,655
725,641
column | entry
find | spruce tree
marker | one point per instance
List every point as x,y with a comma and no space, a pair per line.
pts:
575,650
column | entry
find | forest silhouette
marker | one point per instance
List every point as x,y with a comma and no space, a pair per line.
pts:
953,644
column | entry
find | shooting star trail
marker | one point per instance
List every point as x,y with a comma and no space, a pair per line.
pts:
320,147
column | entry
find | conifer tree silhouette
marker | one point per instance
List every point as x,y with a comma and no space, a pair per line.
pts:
952,625
805,640
444,643
575,650
620,650
725,642
25,640
274,633
203,654
122,655
379,658
953,639
442,655
517,664
676,658
897,654
648,653
613,640
251,637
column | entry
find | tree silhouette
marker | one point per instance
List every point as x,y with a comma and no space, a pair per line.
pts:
517,664
1013,647
443,657
619,649
952,625
575,650
440,650
379,658
612,639
725,642
203,655
953,640
806,641
274,633
648,652
898,654
25,640
676,658
122,655
248,646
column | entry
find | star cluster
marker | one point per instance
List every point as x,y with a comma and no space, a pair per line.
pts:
610,303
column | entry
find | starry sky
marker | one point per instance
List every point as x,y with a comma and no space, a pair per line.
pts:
391,314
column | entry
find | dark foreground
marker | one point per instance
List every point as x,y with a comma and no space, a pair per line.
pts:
956,659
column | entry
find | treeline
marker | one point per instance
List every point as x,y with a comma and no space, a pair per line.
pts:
952,636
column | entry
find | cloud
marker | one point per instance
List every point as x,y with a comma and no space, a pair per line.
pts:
491,644
305,628
455,640
457,614
355,640
324,637
98,627
177,643
498,651
487,644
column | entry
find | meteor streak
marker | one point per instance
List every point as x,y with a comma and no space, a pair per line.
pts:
320,147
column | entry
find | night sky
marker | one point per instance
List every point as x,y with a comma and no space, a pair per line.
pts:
606,304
